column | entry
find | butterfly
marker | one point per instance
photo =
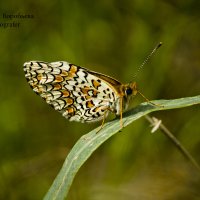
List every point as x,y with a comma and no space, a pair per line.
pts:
78,93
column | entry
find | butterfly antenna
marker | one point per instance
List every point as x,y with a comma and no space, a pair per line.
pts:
147,58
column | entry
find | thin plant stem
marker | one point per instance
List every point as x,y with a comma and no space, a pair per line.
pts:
173,139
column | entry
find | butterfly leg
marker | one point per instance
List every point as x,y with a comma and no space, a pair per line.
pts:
121,111
147,100
104,117
109,110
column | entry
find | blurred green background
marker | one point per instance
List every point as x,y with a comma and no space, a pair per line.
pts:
112,37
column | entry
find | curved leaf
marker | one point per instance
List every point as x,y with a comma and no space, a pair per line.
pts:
88,143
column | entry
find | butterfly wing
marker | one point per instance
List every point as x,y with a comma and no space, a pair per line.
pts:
79,94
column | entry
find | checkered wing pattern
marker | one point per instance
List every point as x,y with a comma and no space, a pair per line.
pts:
79,94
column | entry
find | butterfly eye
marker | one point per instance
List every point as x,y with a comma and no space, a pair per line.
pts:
129,91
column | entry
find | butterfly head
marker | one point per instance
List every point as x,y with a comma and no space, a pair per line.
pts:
130,89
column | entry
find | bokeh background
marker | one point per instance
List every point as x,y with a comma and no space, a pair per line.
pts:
112,37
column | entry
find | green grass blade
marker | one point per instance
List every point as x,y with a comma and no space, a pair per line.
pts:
88,143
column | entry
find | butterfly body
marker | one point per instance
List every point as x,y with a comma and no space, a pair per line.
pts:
78,93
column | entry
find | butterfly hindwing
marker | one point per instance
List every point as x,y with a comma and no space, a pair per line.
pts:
79,94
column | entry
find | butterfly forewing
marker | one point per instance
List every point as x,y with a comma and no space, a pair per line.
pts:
79,94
